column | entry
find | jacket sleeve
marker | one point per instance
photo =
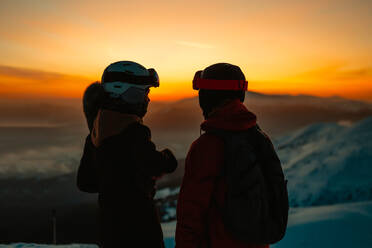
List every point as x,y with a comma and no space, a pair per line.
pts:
151,161
87,176
202,168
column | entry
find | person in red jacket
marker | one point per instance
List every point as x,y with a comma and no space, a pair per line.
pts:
199,219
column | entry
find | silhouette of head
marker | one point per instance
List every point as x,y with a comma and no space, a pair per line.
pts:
92,102
209,99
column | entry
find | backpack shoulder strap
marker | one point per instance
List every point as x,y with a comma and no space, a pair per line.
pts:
234,138
228,139
235,141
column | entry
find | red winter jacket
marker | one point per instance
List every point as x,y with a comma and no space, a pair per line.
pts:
199,220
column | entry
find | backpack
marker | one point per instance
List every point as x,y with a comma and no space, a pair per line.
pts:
256,205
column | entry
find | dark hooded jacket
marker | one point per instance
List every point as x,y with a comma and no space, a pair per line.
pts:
203,190
121,163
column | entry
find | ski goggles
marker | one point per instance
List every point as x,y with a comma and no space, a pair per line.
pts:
152,80
215,84
119,88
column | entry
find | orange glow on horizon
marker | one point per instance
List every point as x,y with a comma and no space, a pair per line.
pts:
73,87
290,47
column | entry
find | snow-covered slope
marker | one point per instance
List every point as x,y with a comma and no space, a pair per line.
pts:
341,225
30,245
328,163
324,163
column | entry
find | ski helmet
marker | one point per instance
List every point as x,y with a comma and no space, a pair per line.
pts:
126,85
217,84
221,76
129,81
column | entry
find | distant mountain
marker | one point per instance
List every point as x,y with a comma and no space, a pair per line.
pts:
328,163
173,124
277,114
177,124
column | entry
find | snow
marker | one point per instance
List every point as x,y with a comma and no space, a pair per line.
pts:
170,213
30,245
169,229
342,225
166,192
328,163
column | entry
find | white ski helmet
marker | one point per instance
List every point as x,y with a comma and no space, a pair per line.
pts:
129,81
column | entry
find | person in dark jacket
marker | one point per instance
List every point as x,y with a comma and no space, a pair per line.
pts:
120,162
202,195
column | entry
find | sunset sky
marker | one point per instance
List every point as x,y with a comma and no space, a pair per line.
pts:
56,48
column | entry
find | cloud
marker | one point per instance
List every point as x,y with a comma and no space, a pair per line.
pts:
23,73
355,73
195,44
44,162
338,72
44,112
28,83
42,152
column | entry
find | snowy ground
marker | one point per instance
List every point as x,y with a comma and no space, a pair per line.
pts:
342,226
23,245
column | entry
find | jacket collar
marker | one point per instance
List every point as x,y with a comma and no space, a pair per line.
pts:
109,123
232,116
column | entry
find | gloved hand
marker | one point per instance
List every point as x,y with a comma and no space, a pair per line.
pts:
172,161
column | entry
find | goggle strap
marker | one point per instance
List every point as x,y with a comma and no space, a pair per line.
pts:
115,76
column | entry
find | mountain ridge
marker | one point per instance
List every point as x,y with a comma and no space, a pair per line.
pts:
328,163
